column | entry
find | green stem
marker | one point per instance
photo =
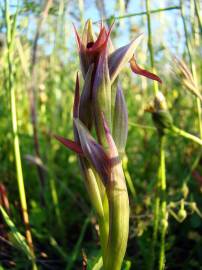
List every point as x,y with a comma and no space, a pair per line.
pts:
197,9
185,31
11,87
186,135
157,197
78,244
193,166
142,13
150,45
193,69
151,53
164,223
142,126
54,196
118,220
127,176
155,230
199,116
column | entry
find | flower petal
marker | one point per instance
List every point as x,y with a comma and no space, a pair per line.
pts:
82,53
77,37
136,69
102,96
76,98
88,35
101,41
75,147
85,108
94,152
122,56
113,152
120,121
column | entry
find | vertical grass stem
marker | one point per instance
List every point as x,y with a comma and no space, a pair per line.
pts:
164,223
11,87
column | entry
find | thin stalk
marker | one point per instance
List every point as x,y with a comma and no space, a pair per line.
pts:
11,87
157,202
193,167
155,230
199,116
54,196
151,53
32,93
164,223
150,45
185,31
127,176
186,135
197,9
141,13
161,188
193,69
141,126
52,179
78,244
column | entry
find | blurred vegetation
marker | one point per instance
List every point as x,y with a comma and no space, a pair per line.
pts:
44,66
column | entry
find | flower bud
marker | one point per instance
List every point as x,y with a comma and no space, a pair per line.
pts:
120,121
161,115
193,206
185,190
102,98
85,107
101,106
182,214
164,223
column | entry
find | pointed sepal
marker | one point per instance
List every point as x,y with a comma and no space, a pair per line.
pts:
94,152
102,97
85,109
120,57
120,121
76,97
75,147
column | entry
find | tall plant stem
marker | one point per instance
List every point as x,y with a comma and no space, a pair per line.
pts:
52,178
32,96
155,229
193,69
163,211
197,9
151,53
156,208
199,116
10,28
150,45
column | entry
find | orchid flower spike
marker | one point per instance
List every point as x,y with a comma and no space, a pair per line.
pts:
101,107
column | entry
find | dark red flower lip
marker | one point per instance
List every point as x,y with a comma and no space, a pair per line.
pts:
138,70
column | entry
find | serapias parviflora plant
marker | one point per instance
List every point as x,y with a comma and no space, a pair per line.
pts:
100,109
